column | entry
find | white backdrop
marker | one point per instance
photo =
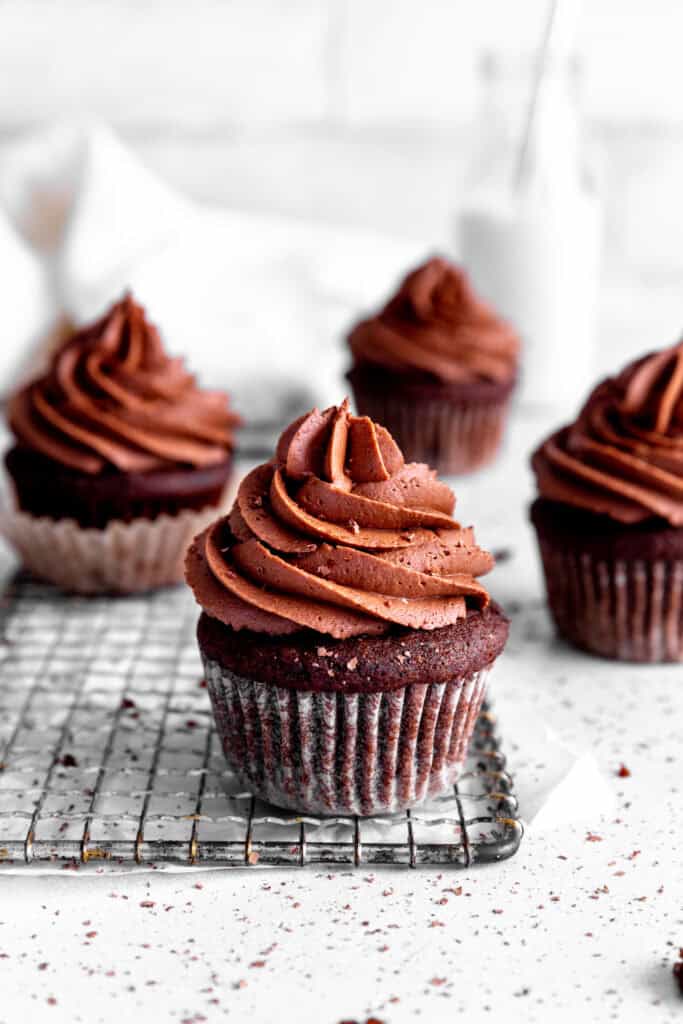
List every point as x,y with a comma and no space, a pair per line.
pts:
352,111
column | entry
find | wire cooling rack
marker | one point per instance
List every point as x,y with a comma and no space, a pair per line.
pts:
108,752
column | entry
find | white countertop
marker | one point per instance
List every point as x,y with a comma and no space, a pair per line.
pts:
585,920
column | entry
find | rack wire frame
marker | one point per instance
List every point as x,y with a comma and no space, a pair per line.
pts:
108,753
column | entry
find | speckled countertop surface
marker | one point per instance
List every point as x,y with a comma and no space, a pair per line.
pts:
584,923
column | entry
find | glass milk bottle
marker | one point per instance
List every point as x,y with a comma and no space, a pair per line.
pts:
529,230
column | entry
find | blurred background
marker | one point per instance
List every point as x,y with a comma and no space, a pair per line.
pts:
357,114
353,111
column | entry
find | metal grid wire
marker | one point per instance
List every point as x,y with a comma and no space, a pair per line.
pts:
108,752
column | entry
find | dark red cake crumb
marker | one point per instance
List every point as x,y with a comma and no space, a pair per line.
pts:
624,772
369,1020
678,971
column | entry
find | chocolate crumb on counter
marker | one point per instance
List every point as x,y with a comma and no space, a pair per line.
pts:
678,970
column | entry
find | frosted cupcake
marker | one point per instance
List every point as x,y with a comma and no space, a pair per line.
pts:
609,517
437,366
345,634
119,459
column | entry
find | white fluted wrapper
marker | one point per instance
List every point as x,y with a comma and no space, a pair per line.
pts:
338,753
121,558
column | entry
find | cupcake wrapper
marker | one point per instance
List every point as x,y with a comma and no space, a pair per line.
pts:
631,610
121,558
338,753
452,436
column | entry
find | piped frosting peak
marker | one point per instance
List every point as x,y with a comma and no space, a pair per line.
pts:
339,535
435,324
113,398
623,456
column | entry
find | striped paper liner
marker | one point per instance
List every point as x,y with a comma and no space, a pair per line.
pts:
341,753
631,610
451,436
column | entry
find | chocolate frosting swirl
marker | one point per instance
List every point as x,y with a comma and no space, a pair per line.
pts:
112,397
623,457
435,324
339,535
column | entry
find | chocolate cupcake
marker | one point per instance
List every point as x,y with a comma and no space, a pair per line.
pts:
609,517
437,367
345,636
119,459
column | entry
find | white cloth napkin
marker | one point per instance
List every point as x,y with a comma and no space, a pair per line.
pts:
252,300
29,306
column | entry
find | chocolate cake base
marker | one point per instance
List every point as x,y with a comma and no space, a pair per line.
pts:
45,488
365,726
454,427
613,589
364,664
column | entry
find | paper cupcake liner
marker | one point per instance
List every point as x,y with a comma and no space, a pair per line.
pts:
122,558
631,610
339,753
452,435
